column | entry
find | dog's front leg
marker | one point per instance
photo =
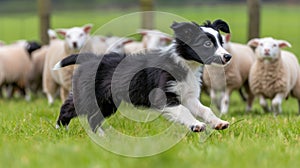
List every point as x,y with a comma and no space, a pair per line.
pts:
198,109
182,115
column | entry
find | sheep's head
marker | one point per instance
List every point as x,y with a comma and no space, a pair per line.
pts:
154,39
75,37
268,48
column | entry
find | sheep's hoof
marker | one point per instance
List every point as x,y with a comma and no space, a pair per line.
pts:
222,125
198,128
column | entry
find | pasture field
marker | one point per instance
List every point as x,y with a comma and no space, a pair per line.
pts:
254,139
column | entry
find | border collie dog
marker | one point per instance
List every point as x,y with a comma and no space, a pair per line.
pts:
166,80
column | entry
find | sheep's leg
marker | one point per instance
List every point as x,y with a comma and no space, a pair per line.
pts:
215,98
225,102
198,109
27,94
182,115
250,97
49,85
50,89
264,104
50,98
64,94
276,103
298,107
9,89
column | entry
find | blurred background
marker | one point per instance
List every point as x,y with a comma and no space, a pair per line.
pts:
30,19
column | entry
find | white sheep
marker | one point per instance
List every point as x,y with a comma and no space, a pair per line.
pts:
234,76
275,73
14,67
154,39
151,40
95,44
75,39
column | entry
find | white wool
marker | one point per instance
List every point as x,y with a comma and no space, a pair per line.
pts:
231,77
15,64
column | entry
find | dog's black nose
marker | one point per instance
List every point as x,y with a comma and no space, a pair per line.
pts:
227,57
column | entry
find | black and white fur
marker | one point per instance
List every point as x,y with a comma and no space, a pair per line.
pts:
166,80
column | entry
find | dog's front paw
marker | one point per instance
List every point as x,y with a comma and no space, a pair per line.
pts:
220,125
199,127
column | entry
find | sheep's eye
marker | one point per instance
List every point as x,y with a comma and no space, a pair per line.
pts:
208,44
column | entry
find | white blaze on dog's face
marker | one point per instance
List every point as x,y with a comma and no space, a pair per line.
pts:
217,42
76,36
268,48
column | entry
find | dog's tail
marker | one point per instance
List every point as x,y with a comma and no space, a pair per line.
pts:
74,59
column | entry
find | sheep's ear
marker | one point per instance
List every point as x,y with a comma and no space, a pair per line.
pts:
126,41
253,42
227,38
52,34
283,43
143,32
62,32
87,28
166,39
221,25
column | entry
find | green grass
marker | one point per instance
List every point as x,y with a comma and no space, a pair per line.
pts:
255,139
28,139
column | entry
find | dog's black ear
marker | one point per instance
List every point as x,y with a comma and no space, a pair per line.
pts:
185,30
221,25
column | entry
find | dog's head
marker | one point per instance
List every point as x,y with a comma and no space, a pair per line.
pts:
201,43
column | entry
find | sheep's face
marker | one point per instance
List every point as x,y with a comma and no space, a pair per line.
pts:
268,48
75,37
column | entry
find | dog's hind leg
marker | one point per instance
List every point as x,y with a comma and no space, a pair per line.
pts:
182,115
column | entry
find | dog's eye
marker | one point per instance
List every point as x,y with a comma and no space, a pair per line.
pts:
208,44
274,45
68,36
81,34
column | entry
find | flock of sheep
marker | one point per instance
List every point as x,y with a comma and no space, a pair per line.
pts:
257,69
